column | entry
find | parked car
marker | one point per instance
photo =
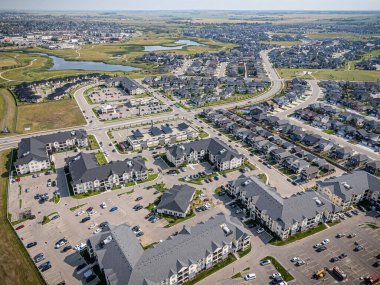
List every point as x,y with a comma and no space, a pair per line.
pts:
276,274
67,248
138,198
39,257
85,219
265,262
300,262
250,276
55,217
31,244
260,230
295,259
20,227
113,209
340,235
334,259
343,255
321,248
325,242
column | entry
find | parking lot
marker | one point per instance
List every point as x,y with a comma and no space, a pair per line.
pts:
105,94
355,265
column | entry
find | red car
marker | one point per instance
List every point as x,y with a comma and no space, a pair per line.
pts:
90,209
19,227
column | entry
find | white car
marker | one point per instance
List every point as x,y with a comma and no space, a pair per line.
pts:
282,283
92,226
92,213
260,230
325,242
295,259
277,274
80,213
103,205
250,276
98,230
80,247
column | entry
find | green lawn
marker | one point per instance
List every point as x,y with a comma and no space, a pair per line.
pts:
160,187
72,209
284,273
8,111
329,132
263,177
151,176
202,275
245,252
19,269
86,195
330,74
100,157
174,220
92,142
46,219
299,236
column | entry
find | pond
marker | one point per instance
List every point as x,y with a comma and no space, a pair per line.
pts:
62,64
181,44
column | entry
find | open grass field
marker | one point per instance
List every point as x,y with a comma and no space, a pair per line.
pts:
282,43
35,67
16,267
347,36
8,110
8,61
330,74
350,65
124,53
48,116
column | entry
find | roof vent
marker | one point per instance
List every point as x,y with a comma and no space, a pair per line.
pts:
107,240
346,185
182,147
226,230
129,162
26,153
222,151
246,182
73,133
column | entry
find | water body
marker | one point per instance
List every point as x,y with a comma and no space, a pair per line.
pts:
181,44
62,64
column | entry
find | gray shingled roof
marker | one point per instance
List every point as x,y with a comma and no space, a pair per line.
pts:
178,198
283,210
84,168
215,146
126,264
34,148
358,182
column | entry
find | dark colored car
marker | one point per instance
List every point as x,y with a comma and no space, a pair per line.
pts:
29,245
321,248
66,248
334,259
47,263
47,267
85,219
19,227
104,224
138,198
343,255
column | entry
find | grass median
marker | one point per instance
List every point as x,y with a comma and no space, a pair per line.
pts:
16,266
284,273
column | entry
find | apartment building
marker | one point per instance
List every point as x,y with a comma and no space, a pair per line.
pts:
282,216
127,84
213,149
161,136
176,201
88,175
171,262
349,189
35,154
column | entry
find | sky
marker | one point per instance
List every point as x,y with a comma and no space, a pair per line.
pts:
191,4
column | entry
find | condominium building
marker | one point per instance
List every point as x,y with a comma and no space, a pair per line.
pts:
282,216
349,189
35,154
176,201
171,262
161,136
213,149
88,175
